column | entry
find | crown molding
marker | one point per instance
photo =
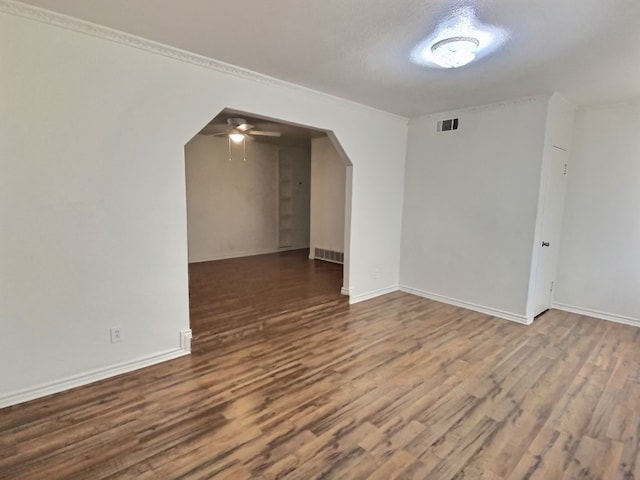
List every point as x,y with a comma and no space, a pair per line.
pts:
19,9
486,107
30,12
628,102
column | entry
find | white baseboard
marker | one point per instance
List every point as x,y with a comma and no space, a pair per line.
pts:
514,317
212,258
42,390
612,317
345,291
369,295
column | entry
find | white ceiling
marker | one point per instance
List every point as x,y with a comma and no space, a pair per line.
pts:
588,50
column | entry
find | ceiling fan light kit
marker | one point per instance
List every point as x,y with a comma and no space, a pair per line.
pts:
238,131
241,140
236,126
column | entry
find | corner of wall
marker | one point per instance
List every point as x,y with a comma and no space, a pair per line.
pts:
514,317
361,297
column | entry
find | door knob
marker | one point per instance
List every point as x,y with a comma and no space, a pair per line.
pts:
545,244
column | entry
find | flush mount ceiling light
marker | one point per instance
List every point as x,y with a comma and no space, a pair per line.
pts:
455,51
459,39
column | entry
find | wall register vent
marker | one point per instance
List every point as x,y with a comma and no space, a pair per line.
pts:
329,255
447,125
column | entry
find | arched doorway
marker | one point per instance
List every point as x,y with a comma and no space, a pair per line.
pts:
259,186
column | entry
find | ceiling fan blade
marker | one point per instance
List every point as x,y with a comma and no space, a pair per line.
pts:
265,134
210,133
214,129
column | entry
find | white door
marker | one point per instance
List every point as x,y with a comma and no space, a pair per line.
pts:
554,193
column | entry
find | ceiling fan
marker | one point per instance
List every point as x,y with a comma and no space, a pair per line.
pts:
236,129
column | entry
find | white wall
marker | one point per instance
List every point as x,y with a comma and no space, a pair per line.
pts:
328,177
599,266
231,205
470,206
92,192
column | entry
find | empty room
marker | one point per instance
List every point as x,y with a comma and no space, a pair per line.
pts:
350,240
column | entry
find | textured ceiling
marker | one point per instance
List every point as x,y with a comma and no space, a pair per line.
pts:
588,50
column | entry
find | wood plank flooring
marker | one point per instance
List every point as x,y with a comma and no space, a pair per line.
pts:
395,387
237,298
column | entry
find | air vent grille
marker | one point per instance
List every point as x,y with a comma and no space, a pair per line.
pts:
447,125
329,255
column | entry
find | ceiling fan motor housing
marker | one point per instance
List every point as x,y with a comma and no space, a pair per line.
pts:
236,121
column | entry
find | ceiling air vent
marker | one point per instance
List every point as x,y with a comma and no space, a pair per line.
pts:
447,125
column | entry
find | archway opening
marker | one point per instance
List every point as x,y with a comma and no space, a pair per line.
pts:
268,222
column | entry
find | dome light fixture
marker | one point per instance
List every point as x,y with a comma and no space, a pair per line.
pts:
455,52
458,39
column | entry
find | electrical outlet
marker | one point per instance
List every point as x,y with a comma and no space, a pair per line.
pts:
376,274
116,334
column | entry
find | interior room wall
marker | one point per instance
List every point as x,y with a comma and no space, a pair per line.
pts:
328,177
599,265
92,192
232,204
470,206
300,158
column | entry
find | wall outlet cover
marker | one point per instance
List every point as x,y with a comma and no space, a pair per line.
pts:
116,334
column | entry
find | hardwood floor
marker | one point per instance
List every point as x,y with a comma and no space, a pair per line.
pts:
236,298
395,387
